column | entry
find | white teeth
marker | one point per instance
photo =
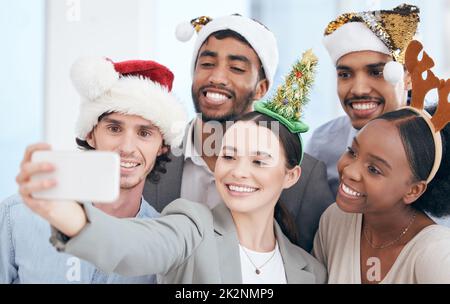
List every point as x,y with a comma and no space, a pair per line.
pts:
364,106
216,96
128,165
241,189
349,191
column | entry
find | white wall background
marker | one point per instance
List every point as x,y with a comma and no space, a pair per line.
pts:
110,28
22,32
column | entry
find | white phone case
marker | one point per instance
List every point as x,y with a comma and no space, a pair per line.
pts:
84,176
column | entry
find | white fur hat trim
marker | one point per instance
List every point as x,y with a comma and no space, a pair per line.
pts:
132,95
353,37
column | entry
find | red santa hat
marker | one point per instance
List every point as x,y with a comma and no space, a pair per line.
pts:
135,87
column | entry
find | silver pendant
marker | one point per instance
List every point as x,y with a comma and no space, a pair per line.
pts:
257,271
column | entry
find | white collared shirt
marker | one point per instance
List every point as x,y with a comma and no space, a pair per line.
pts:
198,183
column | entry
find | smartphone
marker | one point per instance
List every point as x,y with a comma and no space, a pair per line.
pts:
83,176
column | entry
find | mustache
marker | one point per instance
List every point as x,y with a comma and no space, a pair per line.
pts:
218,87
129,156
363,98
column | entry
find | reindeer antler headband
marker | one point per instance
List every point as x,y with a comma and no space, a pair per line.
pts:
420,88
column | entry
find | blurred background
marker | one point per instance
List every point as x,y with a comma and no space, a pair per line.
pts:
41,39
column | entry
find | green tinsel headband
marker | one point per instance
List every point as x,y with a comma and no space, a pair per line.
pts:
287,104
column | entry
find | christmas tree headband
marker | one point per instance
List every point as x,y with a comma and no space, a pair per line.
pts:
420,88
291,97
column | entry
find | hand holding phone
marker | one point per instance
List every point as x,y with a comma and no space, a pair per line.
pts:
92,176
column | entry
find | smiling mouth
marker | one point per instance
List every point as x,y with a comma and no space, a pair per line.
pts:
361,106
364,109
129,164
241,188
216,97
350,192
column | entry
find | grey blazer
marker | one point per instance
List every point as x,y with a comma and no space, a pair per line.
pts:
190,244
306,200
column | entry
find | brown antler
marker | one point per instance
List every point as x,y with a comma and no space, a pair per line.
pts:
442,115
420,87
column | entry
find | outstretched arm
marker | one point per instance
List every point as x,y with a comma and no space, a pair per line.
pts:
126,246
136,247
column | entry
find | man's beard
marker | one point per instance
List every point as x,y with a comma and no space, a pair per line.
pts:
127,184
239,107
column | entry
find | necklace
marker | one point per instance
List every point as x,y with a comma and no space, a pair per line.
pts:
382,246
258,269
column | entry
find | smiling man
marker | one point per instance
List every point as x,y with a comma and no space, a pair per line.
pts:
126,108
368,51
219,96
233,64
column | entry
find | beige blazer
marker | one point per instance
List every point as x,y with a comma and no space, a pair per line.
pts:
189,244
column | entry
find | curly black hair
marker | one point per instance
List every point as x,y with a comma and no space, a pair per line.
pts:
436,199
160,162
420,150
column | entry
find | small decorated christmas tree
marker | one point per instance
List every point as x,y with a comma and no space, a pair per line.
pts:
291,97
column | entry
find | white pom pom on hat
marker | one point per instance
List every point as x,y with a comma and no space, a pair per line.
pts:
184,31
393,72
93,76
